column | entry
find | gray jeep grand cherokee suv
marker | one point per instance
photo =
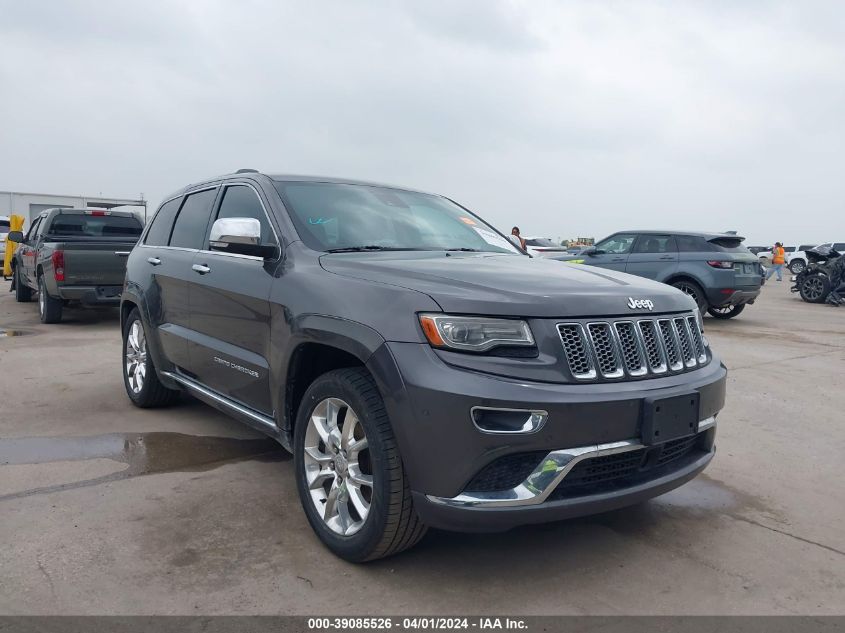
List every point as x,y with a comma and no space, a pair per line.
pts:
423,371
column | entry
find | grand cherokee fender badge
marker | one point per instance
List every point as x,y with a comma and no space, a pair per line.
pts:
640,304
236,367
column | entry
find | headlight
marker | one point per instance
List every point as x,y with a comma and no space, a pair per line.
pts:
474,334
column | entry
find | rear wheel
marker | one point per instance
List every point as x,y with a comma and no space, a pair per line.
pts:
139,373
797,266
23,292
49,308
693,290
349,472
814,289
726,312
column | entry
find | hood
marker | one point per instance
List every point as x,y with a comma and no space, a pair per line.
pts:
510,285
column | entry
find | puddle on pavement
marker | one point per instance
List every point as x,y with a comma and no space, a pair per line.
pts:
143,453
4,333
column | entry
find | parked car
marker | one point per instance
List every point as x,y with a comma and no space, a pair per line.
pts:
822,280
4,231
758,249
542,246
420,367
715,269
73,256
797,261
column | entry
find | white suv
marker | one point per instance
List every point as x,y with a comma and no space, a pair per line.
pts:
542,246
797,261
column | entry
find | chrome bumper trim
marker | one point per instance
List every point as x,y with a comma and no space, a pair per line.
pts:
547,475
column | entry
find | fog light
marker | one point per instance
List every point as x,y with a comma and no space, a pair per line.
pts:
494,420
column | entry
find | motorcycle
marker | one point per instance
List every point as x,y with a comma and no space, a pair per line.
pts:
823,280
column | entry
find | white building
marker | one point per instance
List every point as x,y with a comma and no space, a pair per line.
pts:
30,205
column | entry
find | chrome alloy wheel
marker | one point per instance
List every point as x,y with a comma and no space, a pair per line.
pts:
136,356
337,464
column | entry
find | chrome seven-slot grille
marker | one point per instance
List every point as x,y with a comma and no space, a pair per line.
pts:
634,348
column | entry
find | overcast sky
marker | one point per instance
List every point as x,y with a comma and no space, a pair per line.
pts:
566,118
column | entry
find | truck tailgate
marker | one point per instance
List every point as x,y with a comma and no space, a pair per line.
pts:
95,263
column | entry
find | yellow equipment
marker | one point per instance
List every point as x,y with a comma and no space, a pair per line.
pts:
15,224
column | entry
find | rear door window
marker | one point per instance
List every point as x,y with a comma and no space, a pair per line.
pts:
191,223
655,244
162,223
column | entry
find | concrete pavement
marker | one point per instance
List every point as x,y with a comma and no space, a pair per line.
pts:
108,509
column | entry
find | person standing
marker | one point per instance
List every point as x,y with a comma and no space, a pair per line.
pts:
516,237
778,260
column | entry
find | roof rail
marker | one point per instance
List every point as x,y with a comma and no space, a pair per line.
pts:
247,171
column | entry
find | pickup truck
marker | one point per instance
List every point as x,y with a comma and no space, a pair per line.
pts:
73,256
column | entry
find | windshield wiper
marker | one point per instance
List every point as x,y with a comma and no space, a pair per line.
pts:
363,249
464,250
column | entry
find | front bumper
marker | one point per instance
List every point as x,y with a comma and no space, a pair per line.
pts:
92,296
535,500
430,404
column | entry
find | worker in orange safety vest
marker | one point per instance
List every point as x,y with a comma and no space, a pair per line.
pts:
778,260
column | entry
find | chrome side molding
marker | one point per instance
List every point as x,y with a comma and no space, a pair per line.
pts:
261,422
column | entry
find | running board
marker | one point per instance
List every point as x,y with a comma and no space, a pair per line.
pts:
253,418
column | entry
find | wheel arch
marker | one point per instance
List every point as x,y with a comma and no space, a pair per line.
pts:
321,344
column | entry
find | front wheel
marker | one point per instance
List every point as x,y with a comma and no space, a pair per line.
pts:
814,289
797,266
349,472
726,312
49,308
139,373
23,292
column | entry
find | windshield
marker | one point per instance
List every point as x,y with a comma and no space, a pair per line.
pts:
340,217
81,225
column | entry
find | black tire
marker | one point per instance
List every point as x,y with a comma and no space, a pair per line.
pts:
151,393
49,308
23,293
726,312
797,266
693,290
392,524
814,289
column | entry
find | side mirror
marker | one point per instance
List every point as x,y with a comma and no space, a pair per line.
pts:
15,236
241,236
590,251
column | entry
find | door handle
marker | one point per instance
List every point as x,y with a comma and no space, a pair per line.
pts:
155,261
202,269
618,259
122,253
667,257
